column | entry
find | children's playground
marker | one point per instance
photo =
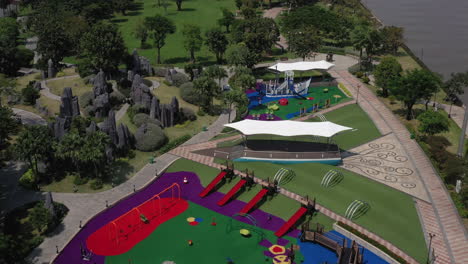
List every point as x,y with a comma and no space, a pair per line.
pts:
176,218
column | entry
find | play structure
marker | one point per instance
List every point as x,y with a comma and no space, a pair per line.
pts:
356,209
286,89
346,255
249,224
245,181
306,208
125,231
331,178
228,172
283,176
269,189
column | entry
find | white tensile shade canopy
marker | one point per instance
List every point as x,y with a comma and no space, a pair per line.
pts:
287,128
302,66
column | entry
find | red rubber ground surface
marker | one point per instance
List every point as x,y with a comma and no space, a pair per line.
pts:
110,241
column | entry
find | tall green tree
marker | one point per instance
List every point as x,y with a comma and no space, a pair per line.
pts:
227,19
141,32
216,72
9,33
94,151
208,89
413,86
192,39
103,47
359,38
373,44
179,4
158,28
122,5
455,86
34,144
387,72
304,41
392,38
70,148
40,217
98,11
232,98
7,86
258,34
8,125
242,78
217,43
240,55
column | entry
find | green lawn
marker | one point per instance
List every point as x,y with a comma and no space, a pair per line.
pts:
294,104
203,13
76,83
352,116
211,244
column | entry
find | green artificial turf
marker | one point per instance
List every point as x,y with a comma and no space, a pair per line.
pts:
211,244
203,13
392,214
352,116
294,104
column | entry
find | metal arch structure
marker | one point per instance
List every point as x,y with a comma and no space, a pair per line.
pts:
287,174
255,228
321,117
356,209
331,178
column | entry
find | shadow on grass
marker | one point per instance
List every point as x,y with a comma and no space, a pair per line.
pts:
134,13
176,60
135,6
119,20
188,9
120,170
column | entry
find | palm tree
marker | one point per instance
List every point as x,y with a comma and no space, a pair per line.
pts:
216,72
94,149
70,147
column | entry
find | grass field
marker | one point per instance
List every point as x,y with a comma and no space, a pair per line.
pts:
294,104
211,244
76,83
352,116
392,214
203,13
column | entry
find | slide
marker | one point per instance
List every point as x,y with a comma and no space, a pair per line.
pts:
212,184
254,201
231,192
296,216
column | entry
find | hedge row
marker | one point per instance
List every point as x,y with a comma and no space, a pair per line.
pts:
174,144
373,242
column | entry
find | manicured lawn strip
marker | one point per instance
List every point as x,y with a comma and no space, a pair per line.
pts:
76,83
211,244
392,214
52,105
203,13
294,104
352,116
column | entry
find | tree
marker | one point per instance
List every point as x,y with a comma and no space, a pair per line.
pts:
29,94
9,33
413,86
373,44
248,12
192,39
141,32
242,78
217,43
122,5
432,123
76,27
258,34
455,86
387,72
179,4
216,72
103,47
193,70
34,144
238,4
227,20
40,217
240,55
207,88
230,98
97,11
94,150
8,125
7,86
392,38
359,38
70,148
303,42
158,29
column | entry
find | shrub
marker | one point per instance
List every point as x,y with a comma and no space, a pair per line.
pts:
174,144
96,184
124,87
87,79
454,170
142,118
85,68
89,110
359,74
392,99
28,180
432,122
60,74
160,72
24,57
87,99
201,112
149,137
365,80
78,180
135,109
179,78
116,98
188,94
188,114
29,94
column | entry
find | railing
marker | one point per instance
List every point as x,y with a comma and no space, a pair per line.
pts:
291,155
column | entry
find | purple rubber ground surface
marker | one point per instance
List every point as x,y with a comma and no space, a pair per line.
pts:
71,254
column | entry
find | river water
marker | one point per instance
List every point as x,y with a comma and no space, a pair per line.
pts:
435,30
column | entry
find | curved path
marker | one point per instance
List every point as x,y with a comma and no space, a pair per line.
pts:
45,91
29,118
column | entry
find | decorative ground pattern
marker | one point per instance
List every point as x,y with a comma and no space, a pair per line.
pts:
384,160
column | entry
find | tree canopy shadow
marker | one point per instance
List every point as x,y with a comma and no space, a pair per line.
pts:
120,170
119,20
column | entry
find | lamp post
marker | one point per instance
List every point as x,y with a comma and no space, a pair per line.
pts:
357,97
430,246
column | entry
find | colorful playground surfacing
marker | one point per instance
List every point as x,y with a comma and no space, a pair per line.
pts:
316,98
214,238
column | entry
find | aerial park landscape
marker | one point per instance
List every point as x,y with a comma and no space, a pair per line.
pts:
230,131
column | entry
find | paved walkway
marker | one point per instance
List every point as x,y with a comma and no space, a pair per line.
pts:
45,91
438,217
29,118
273,13
83,206
457,113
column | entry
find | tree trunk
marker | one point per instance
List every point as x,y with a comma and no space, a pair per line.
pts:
229,113
426,104
179,5
192,56
409,111
159,2
159,56
227,28
360,59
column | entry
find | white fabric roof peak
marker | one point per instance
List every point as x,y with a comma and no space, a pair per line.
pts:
287,128
302,66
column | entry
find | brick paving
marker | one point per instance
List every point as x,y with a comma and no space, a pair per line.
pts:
439,217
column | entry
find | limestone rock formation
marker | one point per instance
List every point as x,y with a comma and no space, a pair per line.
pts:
101,105
69,106
130,75
110,128
154,109
141,65
50,69
140,93
91,128
125,137
100,84
37,86
61,126
49,204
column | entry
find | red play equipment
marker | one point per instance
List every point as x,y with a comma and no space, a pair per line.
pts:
231,193
283,101
254,201
295,217
228,172
122,233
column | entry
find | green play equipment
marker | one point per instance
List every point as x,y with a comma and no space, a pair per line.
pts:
331,178
357,209
283,176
